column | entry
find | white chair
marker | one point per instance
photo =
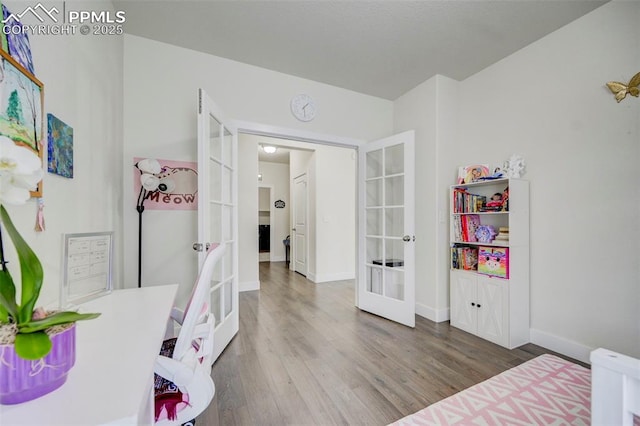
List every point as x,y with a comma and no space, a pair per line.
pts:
183,384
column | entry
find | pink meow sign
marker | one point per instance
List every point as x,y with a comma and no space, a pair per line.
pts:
184,179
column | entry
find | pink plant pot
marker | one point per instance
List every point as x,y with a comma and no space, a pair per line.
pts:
23,380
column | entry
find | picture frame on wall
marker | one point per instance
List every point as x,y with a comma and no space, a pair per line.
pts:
21,108
15,41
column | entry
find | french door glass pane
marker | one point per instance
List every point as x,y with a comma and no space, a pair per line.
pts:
374,164
374,249
226,148
374,193
228,299
394,221
226,223
374,222
214,138
394,283
394,250
374,280
226,185
215,175
394,191
215,304
227,261
216,218
394,160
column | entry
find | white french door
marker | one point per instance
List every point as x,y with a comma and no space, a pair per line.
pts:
218,215
386,234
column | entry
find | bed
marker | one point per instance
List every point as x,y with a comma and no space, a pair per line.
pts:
546,390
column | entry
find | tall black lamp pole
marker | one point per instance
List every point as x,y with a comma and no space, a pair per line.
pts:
140,209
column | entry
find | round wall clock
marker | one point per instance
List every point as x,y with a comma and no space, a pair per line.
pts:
303,107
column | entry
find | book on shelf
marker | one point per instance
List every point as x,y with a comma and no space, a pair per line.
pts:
463,257
503,236
465,227
465,202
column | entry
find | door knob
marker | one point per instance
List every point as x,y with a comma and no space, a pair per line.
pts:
406,238
200,246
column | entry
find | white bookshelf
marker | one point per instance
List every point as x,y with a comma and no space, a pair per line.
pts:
496,309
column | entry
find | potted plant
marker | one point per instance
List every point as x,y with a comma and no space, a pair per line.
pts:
37,348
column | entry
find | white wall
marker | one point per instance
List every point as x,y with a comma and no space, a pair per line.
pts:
277,175
335,213
547,102
247,213
430,109
417,110
82,77
161,83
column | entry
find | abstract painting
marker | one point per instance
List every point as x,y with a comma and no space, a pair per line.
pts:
59,147
17,41
21,106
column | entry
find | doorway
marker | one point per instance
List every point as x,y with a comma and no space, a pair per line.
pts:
265,225
315,189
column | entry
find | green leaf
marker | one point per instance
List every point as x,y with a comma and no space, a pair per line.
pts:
55,319
8,304
33,346
30,269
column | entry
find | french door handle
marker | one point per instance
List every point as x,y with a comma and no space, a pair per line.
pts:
406,238
201,247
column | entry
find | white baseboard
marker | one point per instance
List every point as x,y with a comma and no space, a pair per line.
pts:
249,286
277,258
561,345
323,278
311,276
435,315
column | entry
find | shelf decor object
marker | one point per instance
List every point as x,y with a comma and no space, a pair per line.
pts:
620,90
37,347
489,276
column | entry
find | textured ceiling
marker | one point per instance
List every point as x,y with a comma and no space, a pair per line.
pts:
381,48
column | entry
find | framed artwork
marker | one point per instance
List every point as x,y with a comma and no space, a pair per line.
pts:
16,43
21,107
181,177
59,147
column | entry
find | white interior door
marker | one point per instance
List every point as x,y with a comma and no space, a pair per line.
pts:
386,247
217,214
300,224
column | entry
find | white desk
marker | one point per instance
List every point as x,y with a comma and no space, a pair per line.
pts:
112,380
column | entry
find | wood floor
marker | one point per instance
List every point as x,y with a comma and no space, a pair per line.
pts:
305,355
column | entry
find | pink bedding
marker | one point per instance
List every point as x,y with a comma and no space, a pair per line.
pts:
546,390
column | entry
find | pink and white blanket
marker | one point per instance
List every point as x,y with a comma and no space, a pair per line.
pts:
546,390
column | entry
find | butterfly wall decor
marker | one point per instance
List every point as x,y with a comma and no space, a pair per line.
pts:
620,90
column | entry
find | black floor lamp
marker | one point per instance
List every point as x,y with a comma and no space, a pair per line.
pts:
150,183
